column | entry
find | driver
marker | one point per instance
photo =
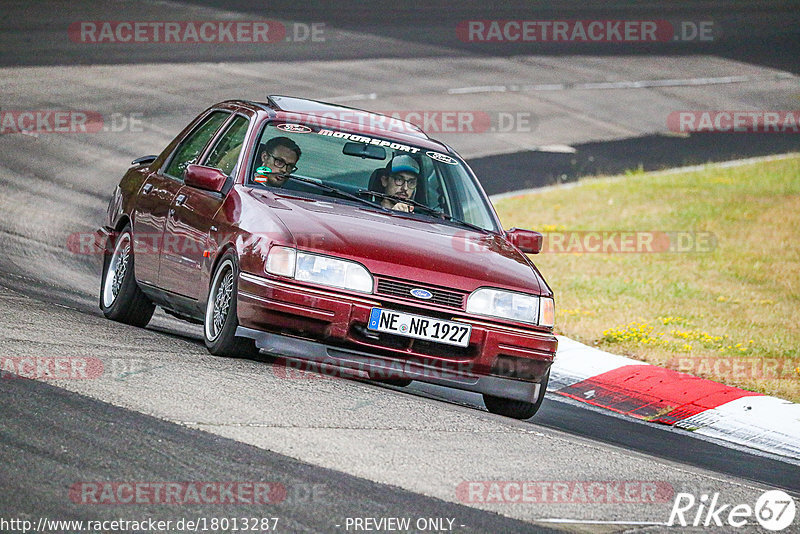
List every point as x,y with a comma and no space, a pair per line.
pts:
278,155
400,182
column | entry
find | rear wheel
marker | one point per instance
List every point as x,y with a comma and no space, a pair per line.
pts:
120,297
517,409
219,326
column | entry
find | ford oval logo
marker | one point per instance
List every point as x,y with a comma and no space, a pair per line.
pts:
295,128
441,157
421,293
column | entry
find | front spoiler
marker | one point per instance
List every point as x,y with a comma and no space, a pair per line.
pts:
303,349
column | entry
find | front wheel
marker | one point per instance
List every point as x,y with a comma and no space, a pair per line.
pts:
120,297
219,326
516,409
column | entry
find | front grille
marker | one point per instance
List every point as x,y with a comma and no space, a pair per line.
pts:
442,297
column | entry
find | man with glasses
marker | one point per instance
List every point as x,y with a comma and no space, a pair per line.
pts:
401,181
280,156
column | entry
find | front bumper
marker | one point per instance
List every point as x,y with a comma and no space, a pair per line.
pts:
329,328
362,362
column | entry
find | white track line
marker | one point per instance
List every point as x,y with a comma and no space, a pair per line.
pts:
353,98
622,84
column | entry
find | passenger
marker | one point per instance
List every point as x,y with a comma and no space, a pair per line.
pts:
278,155
401,182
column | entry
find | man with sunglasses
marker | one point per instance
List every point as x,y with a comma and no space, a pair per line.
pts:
279,155
401,181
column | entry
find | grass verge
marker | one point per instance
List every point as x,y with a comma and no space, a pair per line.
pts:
696,271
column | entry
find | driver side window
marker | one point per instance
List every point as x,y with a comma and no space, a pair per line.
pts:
191,147
225,153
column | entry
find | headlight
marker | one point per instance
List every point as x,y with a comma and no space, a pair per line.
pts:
333,272
323,270
511,305
281,261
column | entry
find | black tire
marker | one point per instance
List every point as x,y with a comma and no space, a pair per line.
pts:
220,320
120,297
516,409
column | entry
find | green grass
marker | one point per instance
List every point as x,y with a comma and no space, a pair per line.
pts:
731,314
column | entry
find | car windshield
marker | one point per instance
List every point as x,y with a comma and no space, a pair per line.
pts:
375,170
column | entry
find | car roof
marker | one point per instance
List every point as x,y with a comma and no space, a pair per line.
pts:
343,113
354,120
314,112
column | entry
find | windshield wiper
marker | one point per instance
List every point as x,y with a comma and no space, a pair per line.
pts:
326,187
432,211
465,223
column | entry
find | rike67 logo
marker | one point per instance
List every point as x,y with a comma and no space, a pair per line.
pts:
774,510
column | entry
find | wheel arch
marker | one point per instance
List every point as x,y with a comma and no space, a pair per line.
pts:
111,242
223,250
122,221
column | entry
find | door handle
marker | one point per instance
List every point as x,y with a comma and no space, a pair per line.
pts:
147,188
179,199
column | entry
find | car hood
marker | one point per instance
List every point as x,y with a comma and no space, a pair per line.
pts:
416,249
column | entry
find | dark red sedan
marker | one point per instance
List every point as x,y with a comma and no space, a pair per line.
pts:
335,236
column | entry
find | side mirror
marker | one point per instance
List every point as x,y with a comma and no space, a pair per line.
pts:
527,241
144,160
206,178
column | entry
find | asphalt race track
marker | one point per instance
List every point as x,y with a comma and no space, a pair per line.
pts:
164,410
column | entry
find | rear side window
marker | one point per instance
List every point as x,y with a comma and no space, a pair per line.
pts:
191,147
225,153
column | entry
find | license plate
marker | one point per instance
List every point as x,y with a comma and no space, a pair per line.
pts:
419,327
